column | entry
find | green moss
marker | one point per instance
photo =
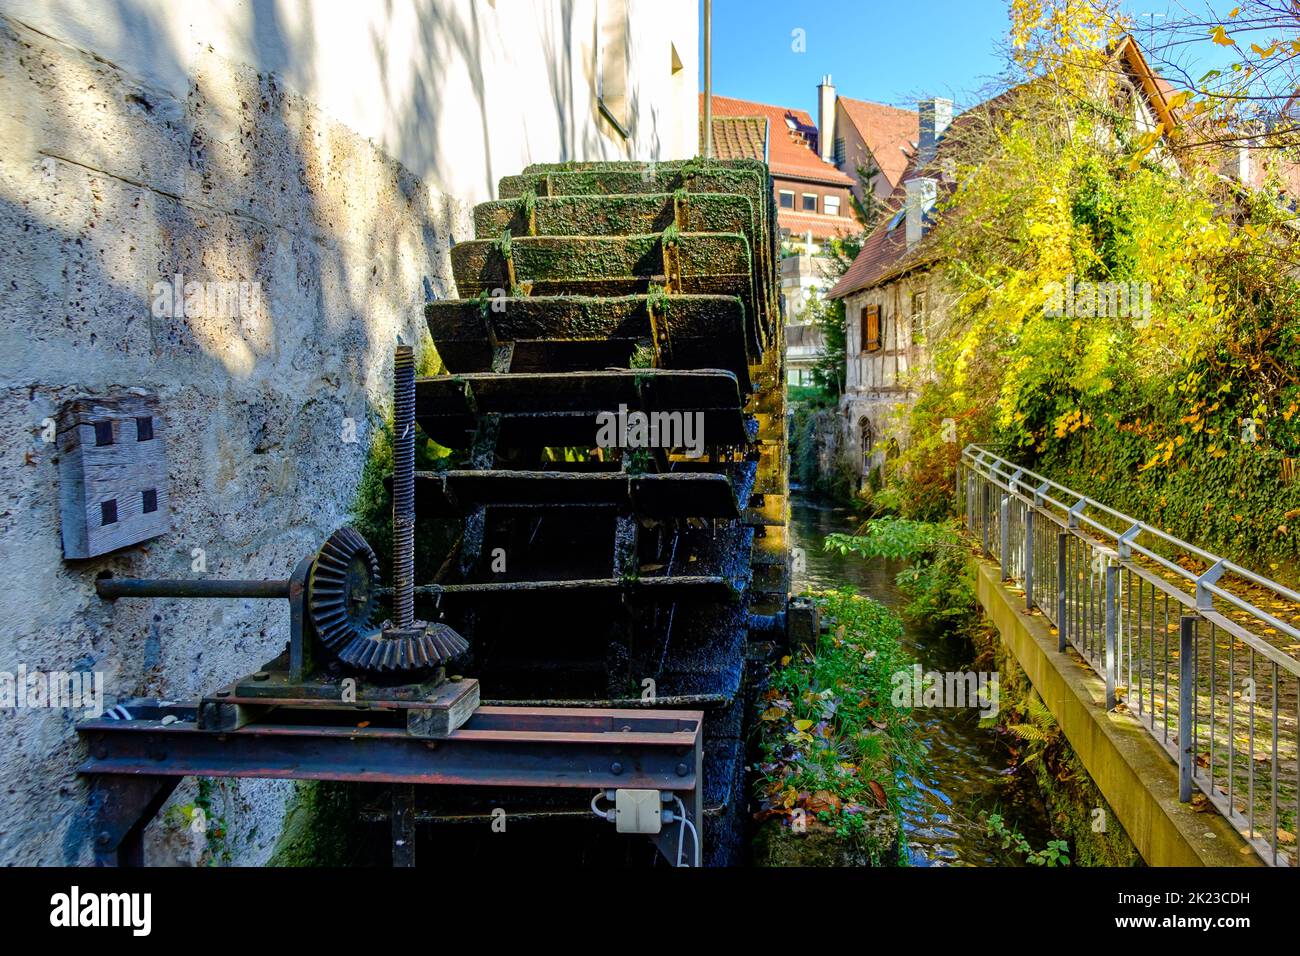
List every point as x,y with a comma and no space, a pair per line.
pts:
320,826
833,745
1072,803
643,356
878,844
657,302
1077,811
527,206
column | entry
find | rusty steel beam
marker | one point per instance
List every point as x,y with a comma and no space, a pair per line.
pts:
499,746
135,763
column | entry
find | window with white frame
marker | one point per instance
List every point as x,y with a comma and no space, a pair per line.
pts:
831,205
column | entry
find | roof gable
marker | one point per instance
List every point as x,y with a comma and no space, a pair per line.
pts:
885,254
888,133
792,139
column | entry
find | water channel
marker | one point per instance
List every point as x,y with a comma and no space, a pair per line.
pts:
964,768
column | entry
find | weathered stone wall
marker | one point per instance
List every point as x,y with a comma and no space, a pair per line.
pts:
108,187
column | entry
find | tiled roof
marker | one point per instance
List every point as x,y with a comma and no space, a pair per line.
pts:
738,137
884,251
889,133
822,226
792,140
884,254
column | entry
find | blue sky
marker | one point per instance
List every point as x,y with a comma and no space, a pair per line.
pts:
889,51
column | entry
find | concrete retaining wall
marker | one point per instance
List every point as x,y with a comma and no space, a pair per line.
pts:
1133,773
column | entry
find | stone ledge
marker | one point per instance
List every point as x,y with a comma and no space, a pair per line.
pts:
1132,771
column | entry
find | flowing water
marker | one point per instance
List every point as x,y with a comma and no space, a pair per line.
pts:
964,768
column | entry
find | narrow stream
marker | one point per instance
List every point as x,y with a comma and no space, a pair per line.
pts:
964,768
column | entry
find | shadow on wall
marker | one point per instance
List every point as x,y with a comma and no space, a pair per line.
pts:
470,34
108,188
154,156
461,92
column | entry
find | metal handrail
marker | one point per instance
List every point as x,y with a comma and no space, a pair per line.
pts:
975,454
1162,647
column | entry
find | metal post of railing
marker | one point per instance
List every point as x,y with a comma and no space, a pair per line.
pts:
1029,558
1062,540
1097,615
1186,699
970,499
1004,534
1112,629
988,506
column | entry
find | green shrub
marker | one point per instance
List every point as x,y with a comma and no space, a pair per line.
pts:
832,742
937,579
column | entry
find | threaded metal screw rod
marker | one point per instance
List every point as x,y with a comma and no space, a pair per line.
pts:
404,487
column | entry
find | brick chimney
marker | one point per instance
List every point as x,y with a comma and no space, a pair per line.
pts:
936,116
826,119
921,194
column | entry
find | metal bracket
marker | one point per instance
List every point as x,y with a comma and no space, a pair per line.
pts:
1126,542
1204,599
1014,484
1072,521
1039,492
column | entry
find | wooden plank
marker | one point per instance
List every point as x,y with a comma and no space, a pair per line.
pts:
560,332
451,706
687,494
514,392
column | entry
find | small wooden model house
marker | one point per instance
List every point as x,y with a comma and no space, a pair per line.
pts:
112,474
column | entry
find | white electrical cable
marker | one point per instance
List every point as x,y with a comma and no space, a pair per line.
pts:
603,814
681,833
608,817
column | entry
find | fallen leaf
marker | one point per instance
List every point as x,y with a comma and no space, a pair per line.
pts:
878,792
